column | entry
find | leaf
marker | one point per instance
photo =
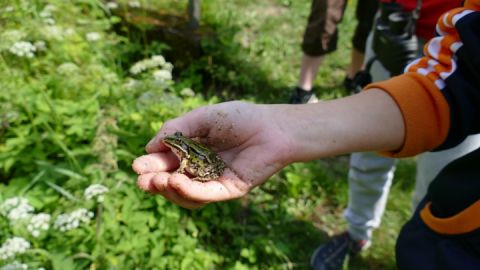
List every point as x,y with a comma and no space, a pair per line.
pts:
60,170
33,182
62,191
60,262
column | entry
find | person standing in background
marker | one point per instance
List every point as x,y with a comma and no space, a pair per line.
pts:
320,38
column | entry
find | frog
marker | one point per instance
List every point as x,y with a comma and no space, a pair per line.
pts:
195,159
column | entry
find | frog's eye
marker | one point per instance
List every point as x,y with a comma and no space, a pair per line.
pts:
178,133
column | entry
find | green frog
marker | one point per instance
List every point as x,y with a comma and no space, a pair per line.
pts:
195,159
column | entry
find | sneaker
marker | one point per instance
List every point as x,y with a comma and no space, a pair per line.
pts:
359,81
301,96
332,255
349,85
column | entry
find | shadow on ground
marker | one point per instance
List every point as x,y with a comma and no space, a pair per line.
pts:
208,57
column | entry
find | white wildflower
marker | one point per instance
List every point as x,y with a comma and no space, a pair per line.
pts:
49,21
187,92
8,9
16,208
47,11
168,66
9,37
134,4
93,36
53,32
69,32
70,221
112,5
158,60
13,246
45,14
23,49
131,84
39,223
67,68
15,266
153,62
162,75
95,190
13,35
40,45
110,77
137,68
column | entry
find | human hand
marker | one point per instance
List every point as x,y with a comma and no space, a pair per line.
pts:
246,136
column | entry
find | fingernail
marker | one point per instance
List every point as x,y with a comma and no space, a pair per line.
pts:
150,143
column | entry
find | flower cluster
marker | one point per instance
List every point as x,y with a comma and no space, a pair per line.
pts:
46,14
16,208
38,223
40,45
11,36
53,32
131,84
111,5
93,36
153,62
67,68
23,49
187,92
8,9
134,4
95,190
47,11
12,247
162,75
70,221
15,266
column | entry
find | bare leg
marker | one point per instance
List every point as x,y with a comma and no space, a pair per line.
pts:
308,71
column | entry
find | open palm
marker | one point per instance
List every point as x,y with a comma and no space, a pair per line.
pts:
243,134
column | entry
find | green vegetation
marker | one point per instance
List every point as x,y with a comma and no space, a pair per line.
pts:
82,92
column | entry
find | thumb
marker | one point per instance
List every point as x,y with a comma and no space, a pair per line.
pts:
193,124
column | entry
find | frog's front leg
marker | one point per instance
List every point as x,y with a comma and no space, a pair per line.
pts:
183,166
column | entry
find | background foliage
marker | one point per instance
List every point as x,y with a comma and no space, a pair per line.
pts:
74,114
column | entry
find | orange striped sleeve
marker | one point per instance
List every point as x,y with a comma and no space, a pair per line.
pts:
425,112
418,92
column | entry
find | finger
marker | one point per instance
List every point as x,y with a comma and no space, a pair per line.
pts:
157,183
171,195
192,124
161,180
156,162
227,187
156,145
145,182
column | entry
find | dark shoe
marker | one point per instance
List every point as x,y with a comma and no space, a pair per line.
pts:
300,96
332,255
359,81
349,85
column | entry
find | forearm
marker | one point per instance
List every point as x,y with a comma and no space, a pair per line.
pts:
369,121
